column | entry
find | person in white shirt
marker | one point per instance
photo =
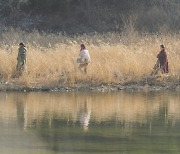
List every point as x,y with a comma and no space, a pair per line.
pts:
84,59
84,116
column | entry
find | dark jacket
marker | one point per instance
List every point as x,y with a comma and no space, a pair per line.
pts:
22,54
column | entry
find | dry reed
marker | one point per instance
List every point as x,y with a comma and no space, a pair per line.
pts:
51,59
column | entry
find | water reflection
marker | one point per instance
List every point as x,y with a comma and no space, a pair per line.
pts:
173,109
129,108
59,120
84,116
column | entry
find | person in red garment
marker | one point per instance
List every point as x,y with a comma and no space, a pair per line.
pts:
163,61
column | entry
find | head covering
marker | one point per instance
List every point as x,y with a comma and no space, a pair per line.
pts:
162,46
22,44
83,46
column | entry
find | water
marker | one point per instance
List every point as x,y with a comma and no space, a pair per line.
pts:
110,123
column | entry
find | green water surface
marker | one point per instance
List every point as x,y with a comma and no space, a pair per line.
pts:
84,123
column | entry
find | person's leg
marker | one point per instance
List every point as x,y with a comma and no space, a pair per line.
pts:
18,69
18,66
163,69
80,66
85,67
23,67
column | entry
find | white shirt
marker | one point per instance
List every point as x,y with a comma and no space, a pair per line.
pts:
85,55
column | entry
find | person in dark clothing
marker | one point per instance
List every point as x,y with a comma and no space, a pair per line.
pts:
21,59
163,61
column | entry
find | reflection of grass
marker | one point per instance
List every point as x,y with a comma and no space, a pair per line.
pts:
47,114
128,108
122,107
52,59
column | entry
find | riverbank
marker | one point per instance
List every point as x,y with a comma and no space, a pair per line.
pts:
153,83
101,88
119,61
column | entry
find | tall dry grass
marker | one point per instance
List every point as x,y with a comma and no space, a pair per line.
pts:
116,58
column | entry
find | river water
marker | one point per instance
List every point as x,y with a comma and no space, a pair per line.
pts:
85,122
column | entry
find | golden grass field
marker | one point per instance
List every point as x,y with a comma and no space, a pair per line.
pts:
51,59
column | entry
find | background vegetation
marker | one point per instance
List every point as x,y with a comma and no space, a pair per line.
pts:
78,16
123,37
121,59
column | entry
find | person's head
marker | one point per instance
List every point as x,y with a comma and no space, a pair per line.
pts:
162,47
83,46
21,44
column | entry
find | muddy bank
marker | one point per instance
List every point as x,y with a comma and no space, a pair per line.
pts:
8,87
144,84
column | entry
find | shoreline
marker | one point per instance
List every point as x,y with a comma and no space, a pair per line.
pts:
156,83
4,87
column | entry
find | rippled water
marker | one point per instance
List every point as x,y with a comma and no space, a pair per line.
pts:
49,123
